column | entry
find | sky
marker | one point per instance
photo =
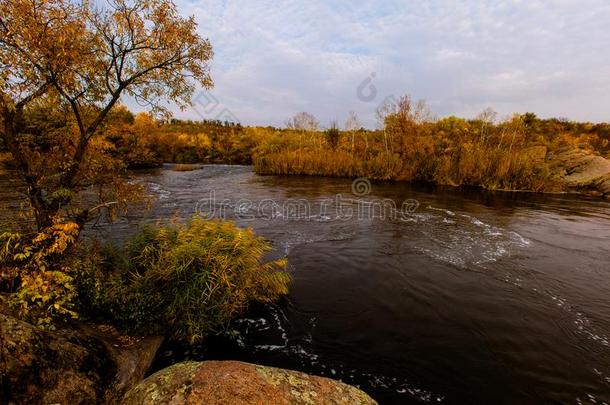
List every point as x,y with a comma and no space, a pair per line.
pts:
274,59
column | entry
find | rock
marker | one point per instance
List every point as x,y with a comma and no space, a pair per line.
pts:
51,368
536,154
581,170
132,356
238,383
76,365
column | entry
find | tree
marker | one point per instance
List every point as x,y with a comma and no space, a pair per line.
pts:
71,57
303,121
386,108
352,124
487,118
402,120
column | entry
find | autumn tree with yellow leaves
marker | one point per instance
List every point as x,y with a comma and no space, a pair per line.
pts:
81,58
65,66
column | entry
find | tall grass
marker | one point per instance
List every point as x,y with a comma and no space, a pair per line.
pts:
186,280
450,151
408,146
184,167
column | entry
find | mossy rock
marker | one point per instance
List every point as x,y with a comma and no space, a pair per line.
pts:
51,367
80,364
238,383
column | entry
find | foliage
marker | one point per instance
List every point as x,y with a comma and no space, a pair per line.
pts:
332,136
34,269
75,60
145,142
188,280
411,145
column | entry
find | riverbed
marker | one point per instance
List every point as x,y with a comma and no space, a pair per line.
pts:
416,294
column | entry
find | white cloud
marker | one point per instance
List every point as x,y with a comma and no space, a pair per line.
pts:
274,59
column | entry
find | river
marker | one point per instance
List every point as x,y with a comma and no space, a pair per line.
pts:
463,297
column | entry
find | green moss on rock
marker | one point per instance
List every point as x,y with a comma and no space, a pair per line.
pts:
238,383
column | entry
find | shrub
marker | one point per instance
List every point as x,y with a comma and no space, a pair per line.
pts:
332,136
36,272
185,280
412,147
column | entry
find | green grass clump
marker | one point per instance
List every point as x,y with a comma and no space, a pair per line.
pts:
186,281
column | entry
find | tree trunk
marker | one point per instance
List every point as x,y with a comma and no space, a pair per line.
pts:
43,212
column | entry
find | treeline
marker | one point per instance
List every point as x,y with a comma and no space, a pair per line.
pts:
412,146
142,141
409,145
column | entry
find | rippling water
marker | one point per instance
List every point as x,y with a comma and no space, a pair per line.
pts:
472,298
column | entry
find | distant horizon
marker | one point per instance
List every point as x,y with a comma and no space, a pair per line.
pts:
323,125
272,61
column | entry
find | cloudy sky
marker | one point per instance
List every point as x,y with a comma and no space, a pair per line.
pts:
276,58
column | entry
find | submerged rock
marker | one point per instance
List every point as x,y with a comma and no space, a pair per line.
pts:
238,383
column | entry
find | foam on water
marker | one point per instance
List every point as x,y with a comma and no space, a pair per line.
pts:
448,212
159,190
297,238
464,240
299,349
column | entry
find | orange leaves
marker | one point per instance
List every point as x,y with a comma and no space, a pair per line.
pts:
41,38
78,58
411,146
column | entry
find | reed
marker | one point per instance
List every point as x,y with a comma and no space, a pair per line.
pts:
187,280
451,151
184,167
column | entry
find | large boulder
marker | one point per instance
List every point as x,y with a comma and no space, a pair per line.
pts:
237,383
50,368
581,170
73,365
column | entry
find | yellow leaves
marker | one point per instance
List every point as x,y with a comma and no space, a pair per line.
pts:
144,122
54,240
89,53
44,296
46,290
52,34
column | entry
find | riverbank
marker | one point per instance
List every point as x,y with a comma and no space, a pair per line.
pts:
518,153
95,364
568,170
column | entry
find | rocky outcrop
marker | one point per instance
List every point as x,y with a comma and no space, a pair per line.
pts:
69,366
131,355
536,154
50,368
237,383
581,170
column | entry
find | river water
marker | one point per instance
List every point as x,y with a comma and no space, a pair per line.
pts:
462,297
